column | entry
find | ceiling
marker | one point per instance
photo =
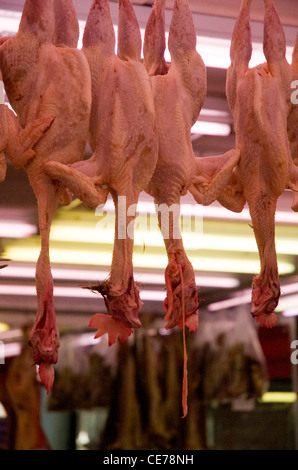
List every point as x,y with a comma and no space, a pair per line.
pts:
17,204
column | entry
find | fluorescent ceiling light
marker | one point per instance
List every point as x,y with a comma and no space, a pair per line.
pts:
211,128
242,299
4,327
149,235
290,312
16,229
28,272
148,208
11,350
3,413
279,397
221,213
288,304
9,334
92,257
72,292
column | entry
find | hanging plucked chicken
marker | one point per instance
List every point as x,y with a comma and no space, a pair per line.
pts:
259,99
179,93
51,83
124,144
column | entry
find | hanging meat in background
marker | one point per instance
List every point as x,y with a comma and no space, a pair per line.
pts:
124,144
23,399
144,411
43,81
259,99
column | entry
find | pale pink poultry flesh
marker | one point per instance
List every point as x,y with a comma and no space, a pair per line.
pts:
293,118
179,93
259,99
124,144
53,85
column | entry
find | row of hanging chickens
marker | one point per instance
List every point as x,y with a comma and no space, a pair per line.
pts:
137,117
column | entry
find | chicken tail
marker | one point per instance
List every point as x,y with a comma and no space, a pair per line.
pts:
154,41
67,29
38,18
99,28
129,41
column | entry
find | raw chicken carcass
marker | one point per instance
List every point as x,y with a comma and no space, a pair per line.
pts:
124,144
43,81
293,117
259,99
25,399
179,93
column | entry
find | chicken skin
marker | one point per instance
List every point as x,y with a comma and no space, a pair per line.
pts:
259,99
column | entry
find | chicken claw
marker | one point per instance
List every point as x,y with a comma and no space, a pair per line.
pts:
106,324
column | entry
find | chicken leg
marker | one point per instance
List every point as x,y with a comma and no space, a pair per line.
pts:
259,99
124,144
43,81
